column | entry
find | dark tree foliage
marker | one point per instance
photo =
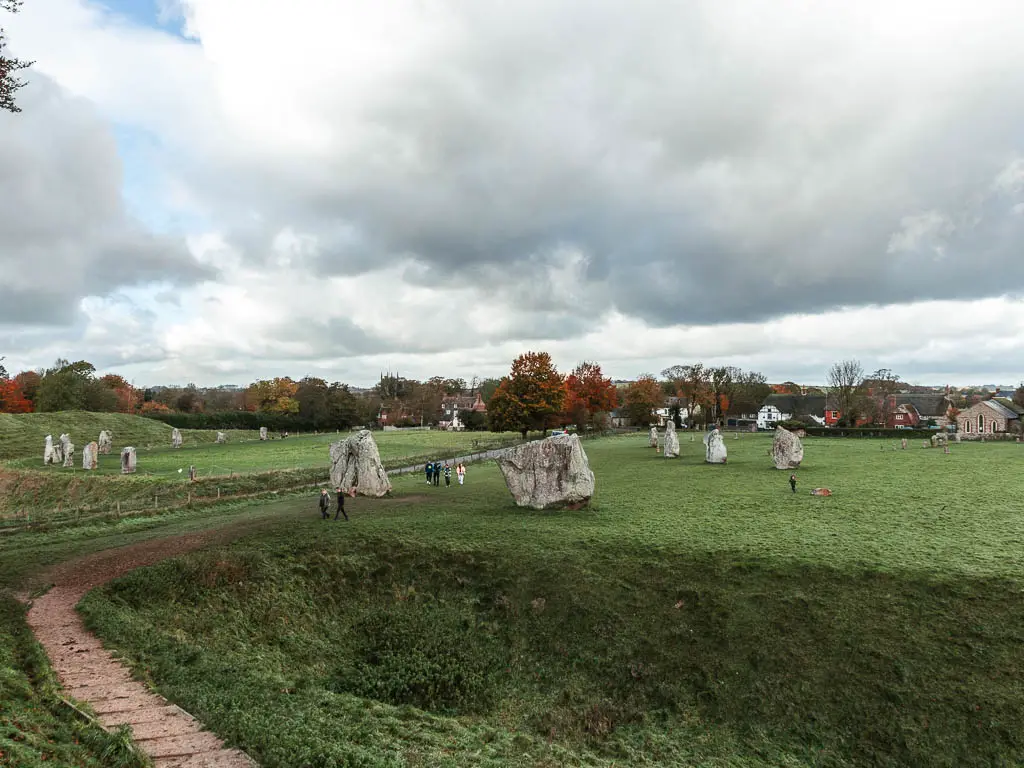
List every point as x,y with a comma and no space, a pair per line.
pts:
9,67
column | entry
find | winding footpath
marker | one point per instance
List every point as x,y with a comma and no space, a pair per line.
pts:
91,674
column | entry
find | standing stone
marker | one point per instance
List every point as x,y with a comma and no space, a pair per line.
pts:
714,447
49,452
958,437
69,452
653,439
105,442
903,443
671,441
221,437
355,461
175,438
90,455
127,460
549,473
263,433
65,441
787,450
938,439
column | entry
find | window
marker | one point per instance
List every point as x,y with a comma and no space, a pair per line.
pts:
899,417
981,423
967,426
990,425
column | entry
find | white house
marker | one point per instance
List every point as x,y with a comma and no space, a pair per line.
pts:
778,408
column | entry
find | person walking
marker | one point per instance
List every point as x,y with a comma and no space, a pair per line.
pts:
341,504
325,504
460,472
447,475
430,471
792,482
437,473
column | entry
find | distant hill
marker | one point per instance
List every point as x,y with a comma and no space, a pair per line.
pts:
24,434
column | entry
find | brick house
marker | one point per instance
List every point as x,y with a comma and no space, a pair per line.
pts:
990,417
455,404
930,407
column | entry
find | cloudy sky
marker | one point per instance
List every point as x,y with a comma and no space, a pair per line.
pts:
220,190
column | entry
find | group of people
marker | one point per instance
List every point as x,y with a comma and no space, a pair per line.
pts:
325,503
435,469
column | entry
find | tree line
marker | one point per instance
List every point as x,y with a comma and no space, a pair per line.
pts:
533,396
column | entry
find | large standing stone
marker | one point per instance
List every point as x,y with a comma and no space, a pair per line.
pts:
68,449
787,450
263,433
105,442
127,460
958,437
90,455
938,439
175,438
714,448
49,452
221,437
548,473
671,441
653,439
355,461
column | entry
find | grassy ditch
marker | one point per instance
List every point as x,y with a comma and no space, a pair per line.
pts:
694,615
367,652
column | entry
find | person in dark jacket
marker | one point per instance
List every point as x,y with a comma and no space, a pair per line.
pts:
447,475
325,504
341,504
437,473
430,472
792,482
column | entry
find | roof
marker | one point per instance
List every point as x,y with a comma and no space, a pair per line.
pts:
929,406
797,405
1004,407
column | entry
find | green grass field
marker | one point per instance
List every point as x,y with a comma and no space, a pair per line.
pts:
694,615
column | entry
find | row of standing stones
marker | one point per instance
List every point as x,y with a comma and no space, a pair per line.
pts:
787,451
544,474
715,451
63,451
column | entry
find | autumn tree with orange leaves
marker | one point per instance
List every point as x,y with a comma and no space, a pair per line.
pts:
589,396
529,398
643,397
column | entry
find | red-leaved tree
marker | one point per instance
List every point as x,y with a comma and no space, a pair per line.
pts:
12,399
589,396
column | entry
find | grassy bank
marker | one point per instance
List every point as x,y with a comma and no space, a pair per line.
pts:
696,615
23,435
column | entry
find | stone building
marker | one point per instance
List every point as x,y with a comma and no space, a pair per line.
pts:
990,417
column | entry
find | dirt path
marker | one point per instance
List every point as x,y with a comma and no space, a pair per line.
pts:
91,674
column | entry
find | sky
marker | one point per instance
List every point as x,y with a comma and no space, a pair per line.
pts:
215,191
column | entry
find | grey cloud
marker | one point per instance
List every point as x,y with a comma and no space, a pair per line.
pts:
713,167
64,233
